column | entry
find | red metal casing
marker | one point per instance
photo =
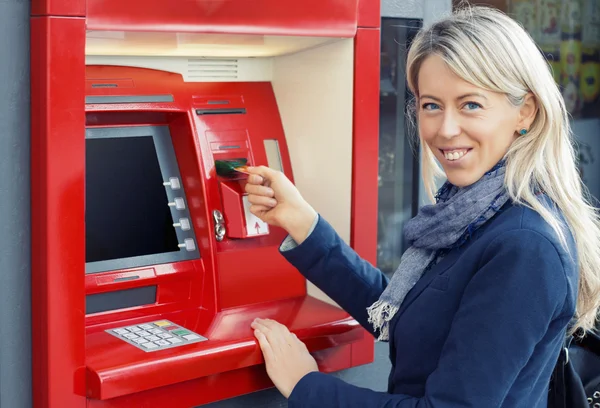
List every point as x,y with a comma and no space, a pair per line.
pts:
314,18
76,364
369,14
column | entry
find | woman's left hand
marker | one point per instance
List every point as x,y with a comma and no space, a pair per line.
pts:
287,359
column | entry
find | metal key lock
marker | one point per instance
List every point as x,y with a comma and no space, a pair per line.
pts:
219,225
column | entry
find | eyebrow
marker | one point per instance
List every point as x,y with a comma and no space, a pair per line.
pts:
467,95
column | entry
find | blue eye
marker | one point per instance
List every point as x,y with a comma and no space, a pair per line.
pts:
430,106
472,105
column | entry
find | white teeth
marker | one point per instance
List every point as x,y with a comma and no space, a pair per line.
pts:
454,155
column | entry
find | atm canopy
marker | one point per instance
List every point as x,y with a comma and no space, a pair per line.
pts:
315,18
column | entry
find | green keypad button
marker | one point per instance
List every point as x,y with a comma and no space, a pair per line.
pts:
180,332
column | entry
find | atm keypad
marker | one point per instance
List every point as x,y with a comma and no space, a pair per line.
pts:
157,335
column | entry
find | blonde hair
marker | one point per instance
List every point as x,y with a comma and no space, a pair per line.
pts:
488,49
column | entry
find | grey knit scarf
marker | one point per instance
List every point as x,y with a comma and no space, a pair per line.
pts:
448,223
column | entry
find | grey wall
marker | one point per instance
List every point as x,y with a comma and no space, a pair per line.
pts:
15,282
428,10
402,8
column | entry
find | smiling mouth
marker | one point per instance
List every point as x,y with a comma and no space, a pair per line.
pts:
455,154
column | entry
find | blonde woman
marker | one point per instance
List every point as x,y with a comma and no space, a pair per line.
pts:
502,266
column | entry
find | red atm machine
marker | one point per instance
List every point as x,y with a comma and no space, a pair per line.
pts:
148,267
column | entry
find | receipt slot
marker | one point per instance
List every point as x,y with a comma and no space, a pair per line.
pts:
148,267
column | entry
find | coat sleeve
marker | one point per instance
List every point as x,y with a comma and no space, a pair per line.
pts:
505,310
335,268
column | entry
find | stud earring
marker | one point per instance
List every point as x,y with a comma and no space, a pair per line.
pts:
523,132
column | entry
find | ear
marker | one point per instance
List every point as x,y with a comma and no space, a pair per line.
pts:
527,112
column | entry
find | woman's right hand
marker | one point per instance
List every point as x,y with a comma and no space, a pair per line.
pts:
276,201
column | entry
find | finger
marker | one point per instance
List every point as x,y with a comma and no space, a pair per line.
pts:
255,179
265,347
260,190
274,325
260,200
265,172
276,334
278,328
276,338
257,325
259,210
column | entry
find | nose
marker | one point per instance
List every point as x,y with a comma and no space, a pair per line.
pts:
450,126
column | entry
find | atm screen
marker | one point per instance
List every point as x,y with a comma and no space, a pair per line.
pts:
127,212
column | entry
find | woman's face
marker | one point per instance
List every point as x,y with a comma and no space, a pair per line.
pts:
467,128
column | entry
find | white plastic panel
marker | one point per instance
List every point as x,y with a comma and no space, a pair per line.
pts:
196,69
171,44
273,154
314,91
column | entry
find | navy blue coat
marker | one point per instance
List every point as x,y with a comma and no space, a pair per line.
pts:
482,328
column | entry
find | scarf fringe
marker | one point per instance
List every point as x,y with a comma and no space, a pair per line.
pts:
380,315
